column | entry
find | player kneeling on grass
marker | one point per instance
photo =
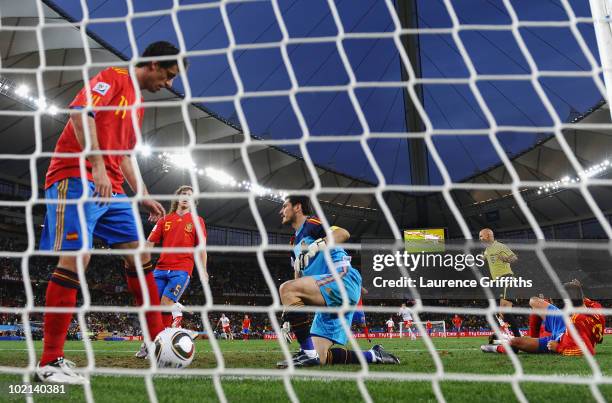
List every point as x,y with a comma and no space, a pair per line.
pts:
173,270
314,285
589,326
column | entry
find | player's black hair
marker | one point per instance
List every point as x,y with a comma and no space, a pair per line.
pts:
304,201
574,292
162,48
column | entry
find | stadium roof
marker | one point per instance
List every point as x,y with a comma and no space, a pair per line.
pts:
450,106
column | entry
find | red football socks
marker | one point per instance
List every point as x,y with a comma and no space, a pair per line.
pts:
154,318
167,319
61,292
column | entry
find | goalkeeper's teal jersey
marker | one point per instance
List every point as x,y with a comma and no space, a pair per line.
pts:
310,231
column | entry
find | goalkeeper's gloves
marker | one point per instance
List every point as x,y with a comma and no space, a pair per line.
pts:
303,260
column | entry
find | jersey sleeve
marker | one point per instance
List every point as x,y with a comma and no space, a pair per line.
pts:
314,228
156,234
506,251
104,87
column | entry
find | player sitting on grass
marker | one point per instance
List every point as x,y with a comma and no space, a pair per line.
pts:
112,222
314,285
589,326
173,270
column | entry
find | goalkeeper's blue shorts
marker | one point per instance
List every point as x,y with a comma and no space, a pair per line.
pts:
113,223
328,325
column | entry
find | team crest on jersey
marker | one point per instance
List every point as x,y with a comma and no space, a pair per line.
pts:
101,88
189,227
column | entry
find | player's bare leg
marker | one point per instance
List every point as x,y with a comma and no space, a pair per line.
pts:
305,291
524,343
295,294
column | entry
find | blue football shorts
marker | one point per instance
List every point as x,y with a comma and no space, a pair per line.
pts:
113,223
171,283
359,317
555,325
328,325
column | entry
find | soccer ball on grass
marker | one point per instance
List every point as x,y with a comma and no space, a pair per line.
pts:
174,348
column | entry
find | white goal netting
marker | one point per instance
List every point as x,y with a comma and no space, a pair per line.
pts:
243,136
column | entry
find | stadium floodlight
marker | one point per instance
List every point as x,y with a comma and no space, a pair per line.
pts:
589,172
221,177
181,160
145,150
22,91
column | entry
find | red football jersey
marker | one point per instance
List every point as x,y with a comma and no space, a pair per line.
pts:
590,328
457,321
111,87
179,232
246,323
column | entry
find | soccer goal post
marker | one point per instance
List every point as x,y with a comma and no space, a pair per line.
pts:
438,329
600,10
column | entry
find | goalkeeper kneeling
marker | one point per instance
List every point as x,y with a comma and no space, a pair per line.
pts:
315,285
589,327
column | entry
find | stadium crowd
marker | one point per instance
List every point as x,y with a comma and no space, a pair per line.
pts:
233,280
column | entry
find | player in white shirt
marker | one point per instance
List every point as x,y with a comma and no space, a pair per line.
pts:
225,325
406,316
390,326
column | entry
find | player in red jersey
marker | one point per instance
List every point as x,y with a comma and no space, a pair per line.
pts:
588,326
457,321
101,175
428,326
246,327
173,270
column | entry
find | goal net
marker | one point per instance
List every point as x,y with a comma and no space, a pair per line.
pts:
438,329
413,124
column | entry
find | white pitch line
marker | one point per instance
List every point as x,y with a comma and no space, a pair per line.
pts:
240,352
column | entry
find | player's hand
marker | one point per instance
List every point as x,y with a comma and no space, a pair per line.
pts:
552,346
156,210
104,188
315,247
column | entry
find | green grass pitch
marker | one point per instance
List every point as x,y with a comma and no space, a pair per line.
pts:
457,356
